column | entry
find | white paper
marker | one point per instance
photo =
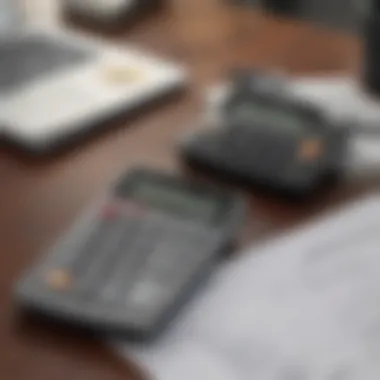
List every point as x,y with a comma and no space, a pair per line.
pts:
305,307
43,14
342,97
9,17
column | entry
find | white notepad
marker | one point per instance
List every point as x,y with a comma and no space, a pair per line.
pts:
305,306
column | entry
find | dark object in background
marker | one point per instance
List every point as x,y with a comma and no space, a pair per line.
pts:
336,14
289,7
285,7
270,141
109,16
371,49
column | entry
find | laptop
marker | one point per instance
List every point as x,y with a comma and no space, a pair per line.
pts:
56,83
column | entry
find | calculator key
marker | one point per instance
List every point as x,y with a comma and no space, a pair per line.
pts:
116,288
130,208
129,264
88,252
310,149
108,254
109,211
116,208
146,295
117,267
59,280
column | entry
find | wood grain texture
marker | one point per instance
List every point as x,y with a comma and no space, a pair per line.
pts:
40,197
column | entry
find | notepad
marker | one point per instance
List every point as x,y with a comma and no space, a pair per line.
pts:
304,306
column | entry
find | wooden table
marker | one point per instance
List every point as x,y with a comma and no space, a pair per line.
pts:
40,197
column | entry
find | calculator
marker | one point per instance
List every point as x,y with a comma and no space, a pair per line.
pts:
268,139
135,256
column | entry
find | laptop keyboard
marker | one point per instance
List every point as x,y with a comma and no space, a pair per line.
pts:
28,59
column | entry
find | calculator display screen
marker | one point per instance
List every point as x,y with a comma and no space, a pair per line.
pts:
254,113
178,200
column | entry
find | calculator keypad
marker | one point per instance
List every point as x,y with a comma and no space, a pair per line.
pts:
134,261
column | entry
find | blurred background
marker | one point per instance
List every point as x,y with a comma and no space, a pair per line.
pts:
340,14
41,196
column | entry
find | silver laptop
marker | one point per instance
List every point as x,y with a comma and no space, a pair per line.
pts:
57,83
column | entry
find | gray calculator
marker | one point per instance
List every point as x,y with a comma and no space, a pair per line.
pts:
135,256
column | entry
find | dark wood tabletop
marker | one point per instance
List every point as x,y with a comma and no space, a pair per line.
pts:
39,197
